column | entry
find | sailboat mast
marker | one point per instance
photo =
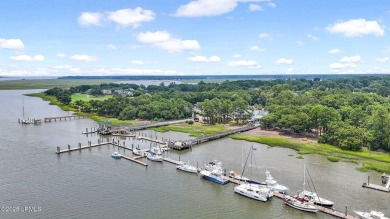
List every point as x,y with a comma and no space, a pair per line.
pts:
304,177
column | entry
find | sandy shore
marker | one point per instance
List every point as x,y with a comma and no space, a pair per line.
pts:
279,134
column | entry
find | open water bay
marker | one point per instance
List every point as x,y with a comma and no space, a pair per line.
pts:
37,183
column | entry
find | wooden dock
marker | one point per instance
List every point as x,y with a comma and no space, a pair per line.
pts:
180,145
150,139
80,147
135,159
176,162
376,187
60,118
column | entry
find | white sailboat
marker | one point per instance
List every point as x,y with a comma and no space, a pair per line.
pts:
187,167
313,196
155,155
299,202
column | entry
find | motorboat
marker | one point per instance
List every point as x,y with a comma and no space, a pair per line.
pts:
216,175
212,165
307,195
300,204
187,167
254,191
371,215
138,151
116,155
155,155
273,184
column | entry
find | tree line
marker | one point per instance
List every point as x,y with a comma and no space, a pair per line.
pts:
349,113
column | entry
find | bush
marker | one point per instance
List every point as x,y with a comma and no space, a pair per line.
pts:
190,122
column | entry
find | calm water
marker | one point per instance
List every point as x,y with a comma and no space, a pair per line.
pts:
90,184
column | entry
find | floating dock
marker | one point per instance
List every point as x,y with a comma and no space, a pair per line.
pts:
134,159
180,145
385,188
60,118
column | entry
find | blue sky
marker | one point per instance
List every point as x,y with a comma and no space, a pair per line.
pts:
199,37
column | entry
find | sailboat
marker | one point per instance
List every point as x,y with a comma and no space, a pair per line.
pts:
187,167
25,120
251,190
298,201
155,155
238,176
312,196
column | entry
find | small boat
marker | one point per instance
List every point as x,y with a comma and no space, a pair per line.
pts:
116,155
187,167
273,184
254,191
371,215
307,195
138,151
215,175
300,204
155,155
212,165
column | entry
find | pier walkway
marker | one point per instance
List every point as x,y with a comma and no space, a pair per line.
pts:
133,128
180,145
49,119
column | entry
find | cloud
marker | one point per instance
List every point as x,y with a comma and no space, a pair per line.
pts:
90,19
111,46
124,17
265,36
131,17
83,58
334,51
351,59
284,61
271,4
382,60
204,59
256,48
312,37
62,67
357,28
290,70
137,62
342,65
11,44
27,58
254,7
153,37
244,63
200,8
236,56
163,40
61,55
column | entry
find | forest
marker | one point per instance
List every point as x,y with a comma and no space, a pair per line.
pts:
349,113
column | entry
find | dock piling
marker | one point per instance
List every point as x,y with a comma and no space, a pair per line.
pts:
68,147
79,145
58,149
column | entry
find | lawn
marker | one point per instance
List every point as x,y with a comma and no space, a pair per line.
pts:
196,130
87,97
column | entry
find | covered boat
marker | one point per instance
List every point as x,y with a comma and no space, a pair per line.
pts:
371,215
116,155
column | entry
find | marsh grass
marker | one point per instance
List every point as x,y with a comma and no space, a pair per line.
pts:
195,130
371,160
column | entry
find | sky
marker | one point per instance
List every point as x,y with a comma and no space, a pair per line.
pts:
198,37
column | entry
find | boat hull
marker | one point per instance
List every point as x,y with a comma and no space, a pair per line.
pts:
249,195
116,156
188,170
222,182
300,206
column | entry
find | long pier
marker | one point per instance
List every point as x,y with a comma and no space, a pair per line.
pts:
133,128
180,145
60,118
385,188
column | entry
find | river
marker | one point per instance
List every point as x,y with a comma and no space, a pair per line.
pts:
37,183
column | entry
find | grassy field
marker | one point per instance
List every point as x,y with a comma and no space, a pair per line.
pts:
370,160
86,97
47,83
114,121
197,129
